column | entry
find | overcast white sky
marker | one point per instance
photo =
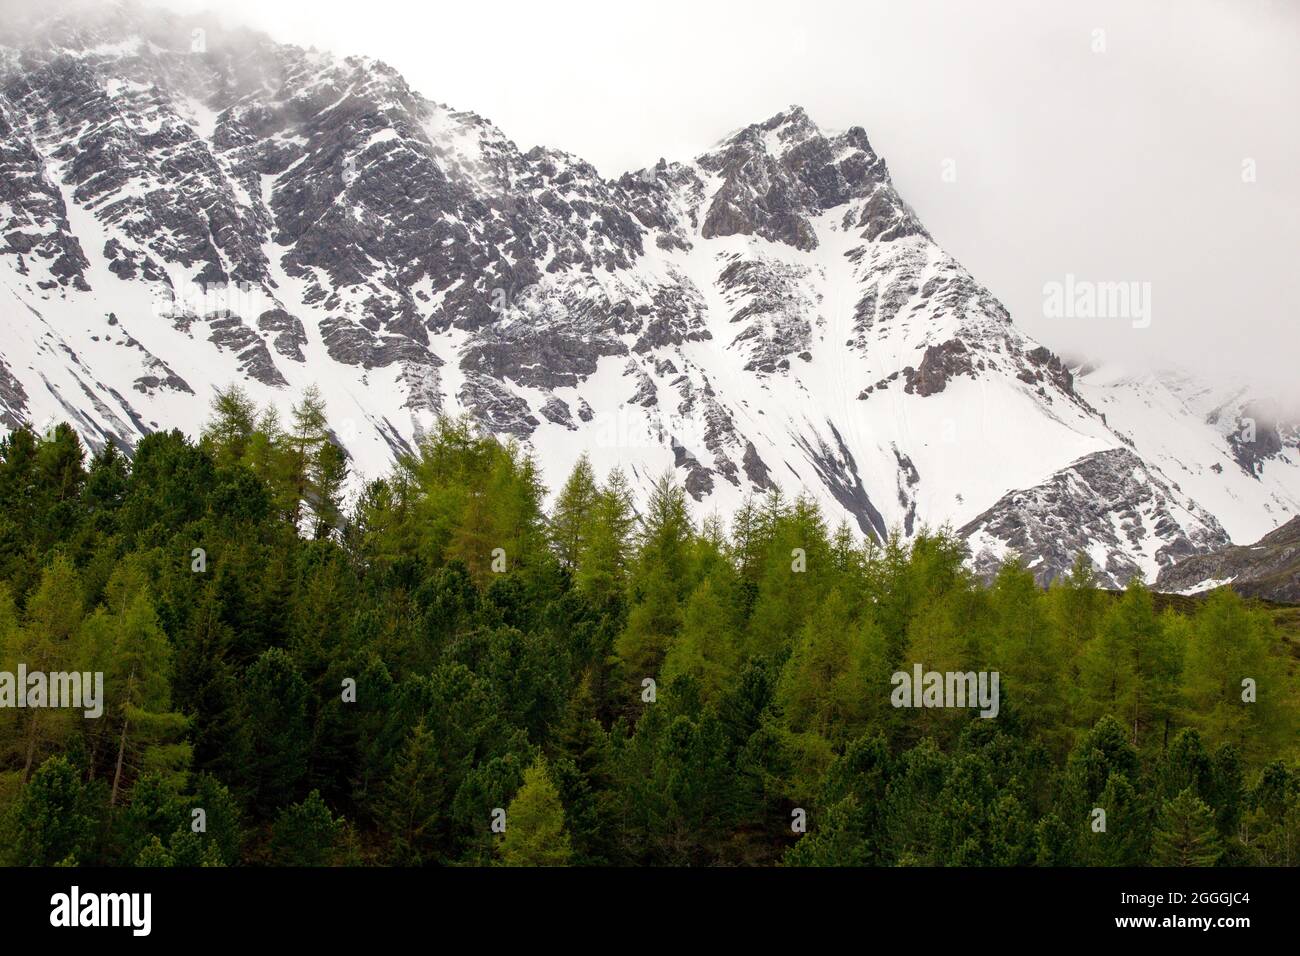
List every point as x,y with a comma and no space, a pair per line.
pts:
1122,165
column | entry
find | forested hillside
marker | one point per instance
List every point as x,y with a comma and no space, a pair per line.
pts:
445,671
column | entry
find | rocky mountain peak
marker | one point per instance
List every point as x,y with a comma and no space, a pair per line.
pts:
778,134
778,175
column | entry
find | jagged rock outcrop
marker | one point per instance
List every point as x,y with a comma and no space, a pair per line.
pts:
1268,569
1108,506
941,363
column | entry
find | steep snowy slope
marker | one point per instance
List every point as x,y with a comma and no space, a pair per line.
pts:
1233,452
179,211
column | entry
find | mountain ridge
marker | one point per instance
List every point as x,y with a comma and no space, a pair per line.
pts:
771,312
1268,569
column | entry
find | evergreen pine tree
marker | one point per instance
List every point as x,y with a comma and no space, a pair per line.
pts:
1186,835
306,834
535,832
411,808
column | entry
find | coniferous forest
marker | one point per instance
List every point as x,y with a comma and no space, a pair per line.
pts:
447,665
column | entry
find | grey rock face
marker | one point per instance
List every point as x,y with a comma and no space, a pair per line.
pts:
1257,438
557,410
908,479
837,467
1268,569
110,165
646,394
502,410
674,314
228,331
699,481
13,399
779,174
756,470
941,363
1107,503
551,356
128,264
158,375
1049,365
37,227
774,315
289,333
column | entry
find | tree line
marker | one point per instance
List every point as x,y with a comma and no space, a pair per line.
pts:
441,668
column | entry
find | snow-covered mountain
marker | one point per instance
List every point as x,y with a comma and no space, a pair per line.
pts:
1235,452
183,207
